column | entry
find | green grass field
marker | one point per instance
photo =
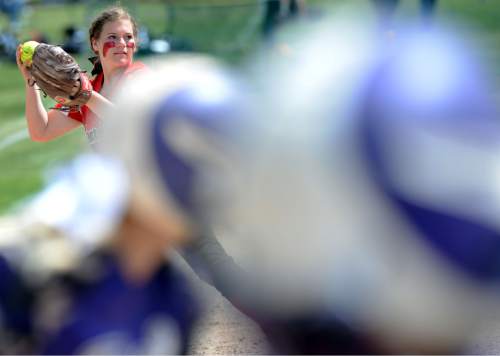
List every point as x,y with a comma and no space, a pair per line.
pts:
231,33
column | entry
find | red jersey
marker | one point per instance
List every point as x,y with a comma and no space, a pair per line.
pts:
88,119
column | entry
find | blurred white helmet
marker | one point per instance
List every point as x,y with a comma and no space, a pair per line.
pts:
73,215
172,129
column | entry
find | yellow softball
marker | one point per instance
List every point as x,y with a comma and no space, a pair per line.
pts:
27,51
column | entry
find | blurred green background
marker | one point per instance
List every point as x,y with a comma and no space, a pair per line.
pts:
228,29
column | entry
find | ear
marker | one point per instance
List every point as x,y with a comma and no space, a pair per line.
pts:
95,47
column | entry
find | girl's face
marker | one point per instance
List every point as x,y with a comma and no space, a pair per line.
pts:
116,44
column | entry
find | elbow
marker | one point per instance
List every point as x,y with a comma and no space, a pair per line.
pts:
37,137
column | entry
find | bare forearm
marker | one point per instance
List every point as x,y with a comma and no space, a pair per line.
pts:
36,115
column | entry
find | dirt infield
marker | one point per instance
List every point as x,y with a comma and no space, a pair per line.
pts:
224,330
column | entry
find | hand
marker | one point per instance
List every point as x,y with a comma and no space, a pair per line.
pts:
22,68
59,76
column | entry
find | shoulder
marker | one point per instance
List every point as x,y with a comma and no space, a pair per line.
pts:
136,67
134,70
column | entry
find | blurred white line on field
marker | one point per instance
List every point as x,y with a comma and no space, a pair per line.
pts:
13,138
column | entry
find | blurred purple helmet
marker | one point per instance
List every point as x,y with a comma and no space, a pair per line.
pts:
418,155
430,134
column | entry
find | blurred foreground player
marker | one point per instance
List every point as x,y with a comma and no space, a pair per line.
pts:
91,274
338,259
368,218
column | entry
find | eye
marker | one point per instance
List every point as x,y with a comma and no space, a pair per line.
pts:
112,37
129,37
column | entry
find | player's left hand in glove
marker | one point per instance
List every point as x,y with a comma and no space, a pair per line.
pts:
56,73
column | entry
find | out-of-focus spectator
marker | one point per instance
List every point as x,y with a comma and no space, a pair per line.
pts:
8,45
13,10
74,40
386,9
8,36
38,36
279,12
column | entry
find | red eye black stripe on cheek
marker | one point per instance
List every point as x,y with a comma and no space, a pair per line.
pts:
107,45
131,44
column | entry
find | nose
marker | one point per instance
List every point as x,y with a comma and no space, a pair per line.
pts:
121,41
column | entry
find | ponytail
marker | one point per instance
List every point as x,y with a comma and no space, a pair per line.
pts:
97,66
